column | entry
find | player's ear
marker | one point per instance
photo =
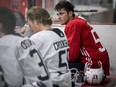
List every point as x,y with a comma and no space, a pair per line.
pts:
70,13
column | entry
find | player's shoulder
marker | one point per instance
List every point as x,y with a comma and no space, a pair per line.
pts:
15,41
48,33
25,43
79,20
57,31
12,39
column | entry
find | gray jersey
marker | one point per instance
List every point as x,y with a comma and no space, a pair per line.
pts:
19,59
53,46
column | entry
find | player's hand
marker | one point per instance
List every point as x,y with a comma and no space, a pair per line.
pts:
23,29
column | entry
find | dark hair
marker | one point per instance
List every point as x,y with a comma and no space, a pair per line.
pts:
7,19
39,15
64,5
20,19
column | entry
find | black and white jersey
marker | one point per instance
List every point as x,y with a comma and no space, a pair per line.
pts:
54,47
20,60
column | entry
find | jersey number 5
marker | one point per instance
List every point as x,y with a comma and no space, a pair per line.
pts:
63,64
97,40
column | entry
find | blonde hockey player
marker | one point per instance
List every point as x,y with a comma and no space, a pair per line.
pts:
52,44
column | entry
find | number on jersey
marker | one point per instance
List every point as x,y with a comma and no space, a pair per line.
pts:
97,40
41,65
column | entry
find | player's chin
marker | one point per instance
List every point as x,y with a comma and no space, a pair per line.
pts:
62,23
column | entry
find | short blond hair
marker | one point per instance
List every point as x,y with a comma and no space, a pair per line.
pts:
40,15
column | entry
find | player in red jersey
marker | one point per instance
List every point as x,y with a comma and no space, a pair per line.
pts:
85,45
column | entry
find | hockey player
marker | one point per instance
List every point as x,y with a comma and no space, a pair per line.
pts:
52,44
20,62
85,45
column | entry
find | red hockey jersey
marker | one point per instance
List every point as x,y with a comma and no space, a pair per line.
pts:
85,44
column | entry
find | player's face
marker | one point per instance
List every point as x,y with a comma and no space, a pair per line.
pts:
63,16
33,25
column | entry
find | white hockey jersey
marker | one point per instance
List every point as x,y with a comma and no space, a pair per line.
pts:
19,59
54,47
